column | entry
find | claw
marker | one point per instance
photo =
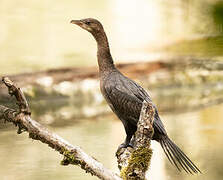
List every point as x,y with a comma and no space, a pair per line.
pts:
122,147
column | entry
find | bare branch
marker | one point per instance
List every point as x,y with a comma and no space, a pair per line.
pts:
134,163
72,154
16,91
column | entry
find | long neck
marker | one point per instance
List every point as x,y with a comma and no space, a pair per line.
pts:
105,61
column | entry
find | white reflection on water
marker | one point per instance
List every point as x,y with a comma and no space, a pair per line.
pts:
198,134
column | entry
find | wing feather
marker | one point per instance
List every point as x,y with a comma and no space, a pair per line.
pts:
125,98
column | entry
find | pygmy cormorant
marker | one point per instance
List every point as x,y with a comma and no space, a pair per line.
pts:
125,98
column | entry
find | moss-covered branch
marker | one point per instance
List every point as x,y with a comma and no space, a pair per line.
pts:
134,163
72,154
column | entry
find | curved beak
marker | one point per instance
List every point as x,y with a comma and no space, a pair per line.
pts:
77,22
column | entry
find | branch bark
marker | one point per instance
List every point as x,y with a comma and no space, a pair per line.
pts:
134,162
72,154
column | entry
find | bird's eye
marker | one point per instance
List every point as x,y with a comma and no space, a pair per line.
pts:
88,22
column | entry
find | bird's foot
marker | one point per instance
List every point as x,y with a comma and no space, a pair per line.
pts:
124,145
122,148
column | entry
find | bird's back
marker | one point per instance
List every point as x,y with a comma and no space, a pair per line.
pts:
124,96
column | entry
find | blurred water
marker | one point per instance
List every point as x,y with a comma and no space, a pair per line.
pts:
199,134
36,35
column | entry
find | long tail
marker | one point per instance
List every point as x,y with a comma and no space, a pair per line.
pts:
177,157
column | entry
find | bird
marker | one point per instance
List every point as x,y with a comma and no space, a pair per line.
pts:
125,98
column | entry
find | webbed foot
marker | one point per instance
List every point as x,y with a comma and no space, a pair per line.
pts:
122,147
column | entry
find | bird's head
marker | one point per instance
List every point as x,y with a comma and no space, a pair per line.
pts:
91,25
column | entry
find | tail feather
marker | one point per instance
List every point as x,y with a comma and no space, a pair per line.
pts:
168,154
177,157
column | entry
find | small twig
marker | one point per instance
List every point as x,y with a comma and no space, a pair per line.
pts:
72,154
135,162
17,92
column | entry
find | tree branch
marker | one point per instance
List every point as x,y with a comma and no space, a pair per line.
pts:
134,162
72,154
16,91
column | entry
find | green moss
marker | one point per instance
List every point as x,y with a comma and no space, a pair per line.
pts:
123,173
69,158
141,158
139,161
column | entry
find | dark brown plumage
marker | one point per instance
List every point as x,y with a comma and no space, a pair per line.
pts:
125,98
